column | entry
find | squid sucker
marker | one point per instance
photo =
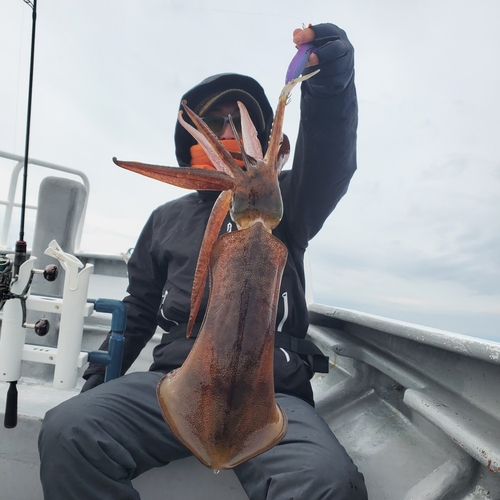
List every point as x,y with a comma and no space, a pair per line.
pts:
220,403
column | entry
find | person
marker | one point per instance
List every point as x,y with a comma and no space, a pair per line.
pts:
94,444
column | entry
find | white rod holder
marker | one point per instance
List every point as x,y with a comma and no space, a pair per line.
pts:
71,329
13,335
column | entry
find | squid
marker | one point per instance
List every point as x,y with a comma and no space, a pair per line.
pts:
220,403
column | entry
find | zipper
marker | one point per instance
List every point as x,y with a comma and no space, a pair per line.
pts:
285,311
282,322
161,308
287,356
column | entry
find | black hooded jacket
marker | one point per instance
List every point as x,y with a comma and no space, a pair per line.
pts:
162,265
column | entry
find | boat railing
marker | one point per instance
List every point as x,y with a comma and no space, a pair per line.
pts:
10,202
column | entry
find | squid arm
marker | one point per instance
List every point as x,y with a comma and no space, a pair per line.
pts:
214,224
218,154
194,179
189,178
249,136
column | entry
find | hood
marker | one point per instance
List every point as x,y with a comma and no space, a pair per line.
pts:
198,96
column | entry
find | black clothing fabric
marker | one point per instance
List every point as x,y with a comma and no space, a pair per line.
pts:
162,266
93,446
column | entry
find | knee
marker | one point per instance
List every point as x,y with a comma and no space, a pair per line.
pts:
53,437
339,480
63,428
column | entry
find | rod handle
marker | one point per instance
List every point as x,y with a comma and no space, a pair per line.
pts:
10,418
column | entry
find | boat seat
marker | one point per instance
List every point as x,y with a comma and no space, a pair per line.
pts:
61,204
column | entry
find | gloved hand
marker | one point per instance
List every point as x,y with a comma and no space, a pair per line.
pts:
93,381
333,53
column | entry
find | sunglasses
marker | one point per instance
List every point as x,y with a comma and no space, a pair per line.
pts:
217,124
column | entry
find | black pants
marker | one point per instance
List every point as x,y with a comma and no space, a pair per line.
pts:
92,445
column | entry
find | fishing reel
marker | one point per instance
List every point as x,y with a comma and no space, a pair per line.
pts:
9,269
5,279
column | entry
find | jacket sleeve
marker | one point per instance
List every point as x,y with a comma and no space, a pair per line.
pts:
325,152
147,273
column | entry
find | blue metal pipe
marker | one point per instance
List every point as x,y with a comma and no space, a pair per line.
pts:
112,358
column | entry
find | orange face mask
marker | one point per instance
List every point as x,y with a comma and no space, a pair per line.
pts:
199,158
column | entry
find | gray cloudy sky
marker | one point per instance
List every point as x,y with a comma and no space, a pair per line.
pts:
417,236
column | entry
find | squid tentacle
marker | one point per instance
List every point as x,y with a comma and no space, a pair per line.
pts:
248,160
249,134
276,132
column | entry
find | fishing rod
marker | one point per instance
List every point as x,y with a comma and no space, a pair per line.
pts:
9,270
20,255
